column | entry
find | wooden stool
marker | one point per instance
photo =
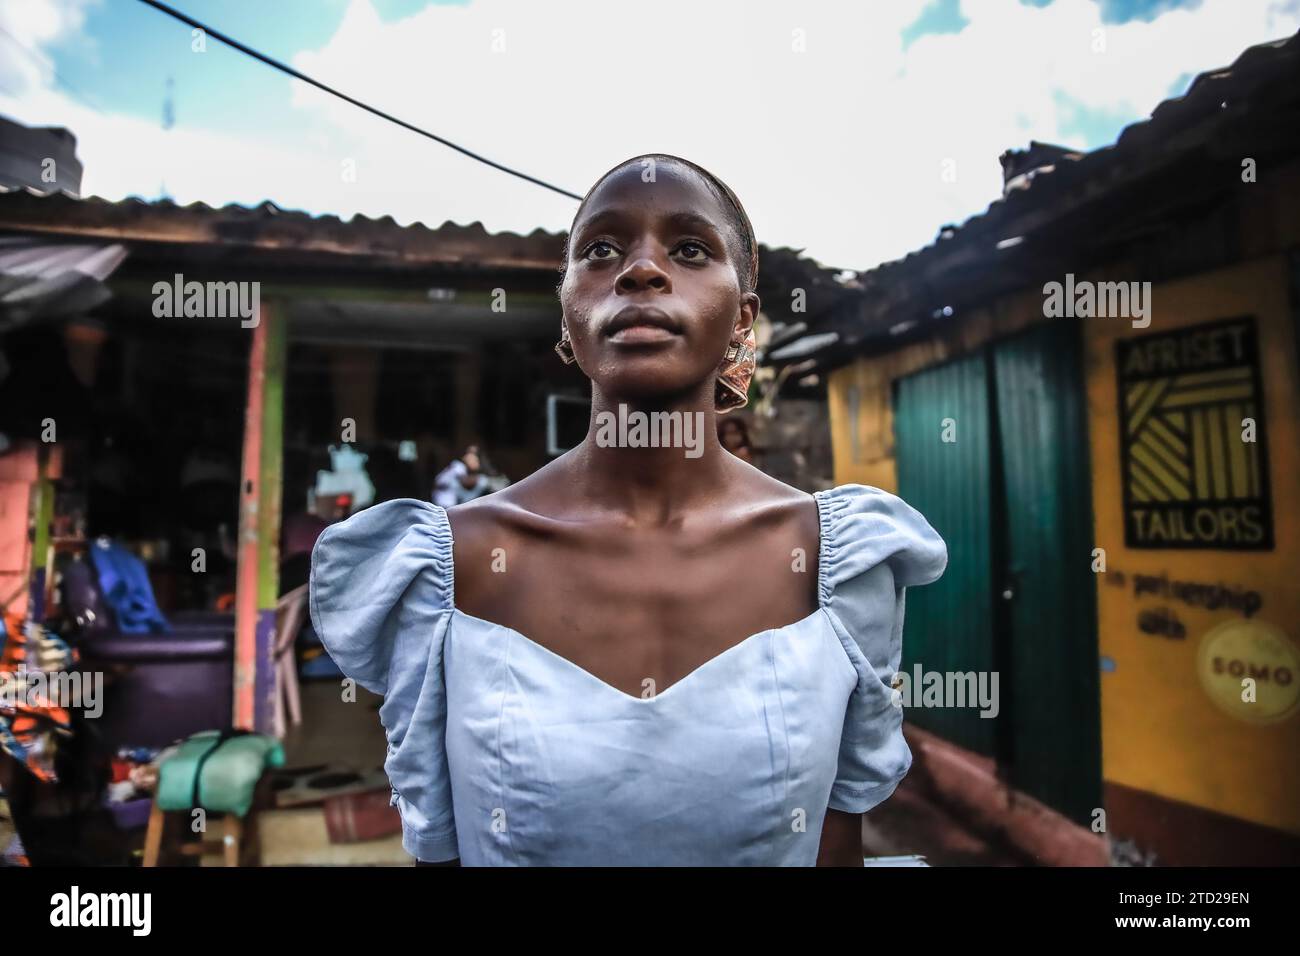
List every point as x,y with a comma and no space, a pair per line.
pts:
239,840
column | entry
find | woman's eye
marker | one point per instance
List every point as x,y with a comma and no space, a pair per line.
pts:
601,250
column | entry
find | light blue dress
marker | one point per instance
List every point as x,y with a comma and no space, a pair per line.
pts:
501,752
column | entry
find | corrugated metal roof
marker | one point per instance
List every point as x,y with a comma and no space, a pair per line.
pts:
1208,93
35,259
40,278
1261,87
267,226
364,241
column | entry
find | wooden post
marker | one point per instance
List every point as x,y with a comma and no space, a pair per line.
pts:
43,514
257,575
269,514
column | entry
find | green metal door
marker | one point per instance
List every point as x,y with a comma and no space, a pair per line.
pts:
1051,717
1009,492
941,421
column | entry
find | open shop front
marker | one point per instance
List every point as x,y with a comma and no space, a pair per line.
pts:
164,479
121,485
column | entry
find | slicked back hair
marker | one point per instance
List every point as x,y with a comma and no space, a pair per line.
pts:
746,256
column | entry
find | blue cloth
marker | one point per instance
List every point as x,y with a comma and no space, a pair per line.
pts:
501,752
124,582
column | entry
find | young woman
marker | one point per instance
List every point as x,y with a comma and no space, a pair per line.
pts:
637,655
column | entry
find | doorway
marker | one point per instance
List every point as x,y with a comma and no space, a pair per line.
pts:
993,449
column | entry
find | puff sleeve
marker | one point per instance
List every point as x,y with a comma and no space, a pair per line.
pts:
381,598
875,546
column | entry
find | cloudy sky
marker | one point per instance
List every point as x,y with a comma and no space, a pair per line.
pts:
835,122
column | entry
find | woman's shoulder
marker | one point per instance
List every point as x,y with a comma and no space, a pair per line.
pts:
387,517
874,547
856,526
496,520
772,501
375,539
863,526
383,570
514,505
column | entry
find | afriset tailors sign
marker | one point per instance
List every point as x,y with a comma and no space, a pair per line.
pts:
1193,439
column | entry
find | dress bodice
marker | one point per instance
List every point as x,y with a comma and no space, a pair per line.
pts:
501,752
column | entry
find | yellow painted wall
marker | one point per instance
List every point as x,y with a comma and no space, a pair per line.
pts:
1161,732
866,455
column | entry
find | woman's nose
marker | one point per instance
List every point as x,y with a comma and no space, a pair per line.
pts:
643,272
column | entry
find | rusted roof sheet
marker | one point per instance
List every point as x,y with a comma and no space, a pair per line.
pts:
1250,105
268,227
784,273
362,241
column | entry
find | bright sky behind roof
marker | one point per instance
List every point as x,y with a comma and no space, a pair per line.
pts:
851,130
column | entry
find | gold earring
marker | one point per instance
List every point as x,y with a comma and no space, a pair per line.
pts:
734,372
564,349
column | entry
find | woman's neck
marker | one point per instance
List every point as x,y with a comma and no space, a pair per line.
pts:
651,462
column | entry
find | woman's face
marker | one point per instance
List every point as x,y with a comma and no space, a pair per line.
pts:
651,292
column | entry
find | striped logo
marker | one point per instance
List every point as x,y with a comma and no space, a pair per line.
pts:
1194,462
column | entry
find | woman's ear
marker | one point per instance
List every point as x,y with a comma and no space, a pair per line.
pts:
749,306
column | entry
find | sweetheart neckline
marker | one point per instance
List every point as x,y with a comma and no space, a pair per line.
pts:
546,651
822,544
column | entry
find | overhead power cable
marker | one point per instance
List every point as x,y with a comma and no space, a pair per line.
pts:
285,68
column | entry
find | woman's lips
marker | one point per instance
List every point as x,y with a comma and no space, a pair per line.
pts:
638,324
635,334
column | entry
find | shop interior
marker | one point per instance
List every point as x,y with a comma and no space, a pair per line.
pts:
137,578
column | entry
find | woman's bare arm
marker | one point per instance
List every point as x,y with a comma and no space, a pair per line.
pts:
841,839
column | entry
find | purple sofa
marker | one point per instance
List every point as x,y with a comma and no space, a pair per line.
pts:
163,687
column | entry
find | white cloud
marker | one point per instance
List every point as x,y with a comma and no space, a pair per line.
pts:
838,149
30,25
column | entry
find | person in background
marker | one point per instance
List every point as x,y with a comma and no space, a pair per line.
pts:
734,436
462,480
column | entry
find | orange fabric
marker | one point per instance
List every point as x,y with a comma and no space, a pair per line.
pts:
30,723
